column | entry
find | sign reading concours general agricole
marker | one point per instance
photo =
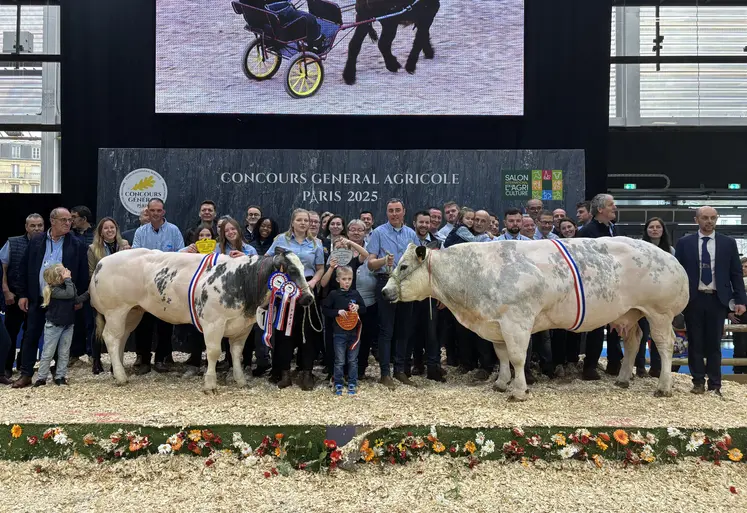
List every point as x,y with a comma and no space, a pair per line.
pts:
341,181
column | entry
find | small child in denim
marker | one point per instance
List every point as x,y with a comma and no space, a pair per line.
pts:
60,298
345,306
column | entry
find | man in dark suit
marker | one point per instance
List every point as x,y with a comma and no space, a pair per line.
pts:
715,273
44,250
129,235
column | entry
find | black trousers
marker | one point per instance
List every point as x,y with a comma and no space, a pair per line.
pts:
541,344
474,351
34,330
283,347
594,343
4,345
640,359
83,331
614,351
395,322
144,338
424,338
740,346
704,317
15,318
447,335
369,336
254,346
565,346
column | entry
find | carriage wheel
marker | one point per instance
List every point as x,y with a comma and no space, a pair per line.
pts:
305,76
259,64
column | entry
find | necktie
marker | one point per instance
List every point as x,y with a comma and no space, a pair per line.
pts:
705,263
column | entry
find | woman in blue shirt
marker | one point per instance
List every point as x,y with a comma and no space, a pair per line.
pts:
231,242
307,323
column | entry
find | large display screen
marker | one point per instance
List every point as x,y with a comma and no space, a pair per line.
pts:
357,57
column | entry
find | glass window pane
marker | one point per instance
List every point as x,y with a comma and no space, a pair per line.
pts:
39,29
31,89
29,162
613,74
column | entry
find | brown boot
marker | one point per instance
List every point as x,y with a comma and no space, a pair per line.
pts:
307,381
285,379
404,379
388,382
22,382
435,374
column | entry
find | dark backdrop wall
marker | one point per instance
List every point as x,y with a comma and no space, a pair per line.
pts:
108,81
712,157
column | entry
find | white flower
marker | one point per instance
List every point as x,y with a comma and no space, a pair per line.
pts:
692,446
651,439
164,449
480,438
246,449
433,432
568,451
672,451
636,437
61,438
698,437
172,440
582,432
673,432
251,461
647,451
378,451
237,439
518,431
487,448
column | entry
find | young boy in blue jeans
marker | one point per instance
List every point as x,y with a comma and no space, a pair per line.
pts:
345,306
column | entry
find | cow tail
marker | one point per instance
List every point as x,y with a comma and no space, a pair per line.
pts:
372,33
100,325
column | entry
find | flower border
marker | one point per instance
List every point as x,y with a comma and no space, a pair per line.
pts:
282,450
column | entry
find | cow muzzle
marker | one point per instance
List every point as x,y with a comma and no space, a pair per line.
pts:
306,297
390,292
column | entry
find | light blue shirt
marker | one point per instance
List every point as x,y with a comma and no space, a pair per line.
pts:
538,235
168,238
508,236
386,238
5,254
444,232
310,252
52,256
245,248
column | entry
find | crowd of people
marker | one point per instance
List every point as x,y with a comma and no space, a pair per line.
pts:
46,274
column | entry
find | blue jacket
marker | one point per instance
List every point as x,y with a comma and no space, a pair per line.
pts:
728,269
74,257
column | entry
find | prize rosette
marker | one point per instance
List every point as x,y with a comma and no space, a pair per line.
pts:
348,323
206,246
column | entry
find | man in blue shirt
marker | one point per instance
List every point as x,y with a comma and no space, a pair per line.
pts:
545,224
512,218
386,246
44,250
451,211
161,235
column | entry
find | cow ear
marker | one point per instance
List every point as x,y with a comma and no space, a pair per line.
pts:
420,252
280,251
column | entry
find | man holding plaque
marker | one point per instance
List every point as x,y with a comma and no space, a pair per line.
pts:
386,246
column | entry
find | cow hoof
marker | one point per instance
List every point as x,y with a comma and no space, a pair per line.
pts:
516,397
410,68
209,391
428,53
500,387
622,384
663,393
120,382
393,66
349,78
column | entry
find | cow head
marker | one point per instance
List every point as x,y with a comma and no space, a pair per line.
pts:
288,262
409,281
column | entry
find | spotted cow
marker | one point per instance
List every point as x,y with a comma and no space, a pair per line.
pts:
221,300
506,290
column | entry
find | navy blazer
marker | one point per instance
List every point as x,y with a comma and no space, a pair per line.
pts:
728,269
74,257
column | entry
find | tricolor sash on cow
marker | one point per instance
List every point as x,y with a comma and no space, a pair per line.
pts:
578,284
207,262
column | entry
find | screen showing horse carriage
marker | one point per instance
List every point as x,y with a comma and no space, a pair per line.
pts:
358,57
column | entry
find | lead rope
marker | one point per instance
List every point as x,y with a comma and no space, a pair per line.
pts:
305,315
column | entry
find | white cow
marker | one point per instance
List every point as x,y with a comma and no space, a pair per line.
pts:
223,298
506,290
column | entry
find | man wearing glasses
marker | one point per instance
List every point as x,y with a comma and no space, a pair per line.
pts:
253,213
55,246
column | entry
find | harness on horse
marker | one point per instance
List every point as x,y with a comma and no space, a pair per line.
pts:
207,263
578,284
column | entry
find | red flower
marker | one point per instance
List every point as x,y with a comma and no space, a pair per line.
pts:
207,435
194,448
100,459
409,433
535,457
265,441
260,452
604,436
392,460
209,462
274,444
330,444
722,445
38,469
403,454
390,448
274,471
733,489
301,466
473,462
33,440
333,465
717,462
452,449
337,455
217,440
117,454
584,439
267,475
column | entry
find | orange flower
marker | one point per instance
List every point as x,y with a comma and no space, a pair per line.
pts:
431,438
195,435
621,437
16,431
735,454
438,447
177,444
470,447
601,444
605,437
368,454
598,460
89,439
365,445
279,436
